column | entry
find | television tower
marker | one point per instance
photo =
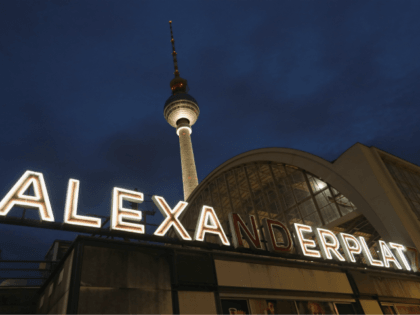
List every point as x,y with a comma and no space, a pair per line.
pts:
181,112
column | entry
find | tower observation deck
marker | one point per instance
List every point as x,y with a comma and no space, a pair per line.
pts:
181,112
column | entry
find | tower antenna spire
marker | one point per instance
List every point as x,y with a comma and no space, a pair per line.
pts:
177,84
176,73
181,112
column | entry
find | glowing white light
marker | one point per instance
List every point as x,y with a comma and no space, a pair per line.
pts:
328,244
367,254
305,243
183,127
237,225
399,251
16,196
119,213
214,227
387,256
172,218
350,246
321,185
70,210
272,244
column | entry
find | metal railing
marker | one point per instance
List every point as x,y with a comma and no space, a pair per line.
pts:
25,273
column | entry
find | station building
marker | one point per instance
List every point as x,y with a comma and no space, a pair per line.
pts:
364,192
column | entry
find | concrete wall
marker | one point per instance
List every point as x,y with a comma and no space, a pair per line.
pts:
371,307
193,302
56,303
375,284
362,168
124,282
402,208
241,274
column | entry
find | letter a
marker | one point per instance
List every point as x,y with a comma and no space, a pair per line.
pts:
16,196
214,227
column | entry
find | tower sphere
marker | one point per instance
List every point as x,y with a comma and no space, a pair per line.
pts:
181,106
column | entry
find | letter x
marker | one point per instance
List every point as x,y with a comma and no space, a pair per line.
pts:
172,218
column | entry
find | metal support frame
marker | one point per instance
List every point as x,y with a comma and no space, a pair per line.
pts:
281,212
289,183
75,277
217,299
312,194
263,191
251,193
356,293
174,283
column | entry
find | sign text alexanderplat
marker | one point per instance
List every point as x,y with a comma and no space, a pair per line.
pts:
391,255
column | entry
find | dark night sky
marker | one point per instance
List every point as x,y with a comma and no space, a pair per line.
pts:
83,84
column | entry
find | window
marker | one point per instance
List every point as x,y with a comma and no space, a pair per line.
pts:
51,289
60,277
345,308
272,190
41,301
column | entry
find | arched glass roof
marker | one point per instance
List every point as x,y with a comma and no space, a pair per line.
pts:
278,191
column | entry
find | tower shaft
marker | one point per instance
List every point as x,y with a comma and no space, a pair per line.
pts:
189,172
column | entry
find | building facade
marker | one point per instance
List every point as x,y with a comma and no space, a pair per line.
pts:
365,192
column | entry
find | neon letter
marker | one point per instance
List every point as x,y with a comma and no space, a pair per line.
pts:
387,256
237,224
329,247
272,244
399,251
346,241
118,213
70,210
305,243
367,254
172,218
16,197
207,214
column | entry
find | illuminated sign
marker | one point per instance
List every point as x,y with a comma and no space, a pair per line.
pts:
17,197
237,224
119,213
329,244
172,218
273,245
305,244
350,246
70,210
209,223
275,237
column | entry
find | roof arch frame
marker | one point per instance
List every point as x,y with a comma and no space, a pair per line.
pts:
319,167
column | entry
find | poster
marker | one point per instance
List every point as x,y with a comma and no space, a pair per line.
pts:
408,309
316,308
233,307
263,306
388,309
